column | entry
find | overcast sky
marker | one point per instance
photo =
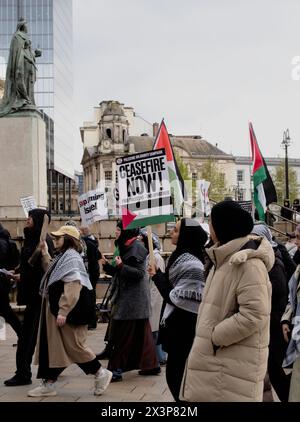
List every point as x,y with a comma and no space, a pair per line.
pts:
207,66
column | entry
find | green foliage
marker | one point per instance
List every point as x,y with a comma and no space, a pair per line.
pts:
210,171
279,182
182,167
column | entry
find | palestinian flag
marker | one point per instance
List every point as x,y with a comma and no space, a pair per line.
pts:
176,182
264,189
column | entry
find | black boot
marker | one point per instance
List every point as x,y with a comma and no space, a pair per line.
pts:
105,354
17,380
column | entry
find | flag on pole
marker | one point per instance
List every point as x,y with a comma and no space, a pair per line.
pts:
264,189
177,185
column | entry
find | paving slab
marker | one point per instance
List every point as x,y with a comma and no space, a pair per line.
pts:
75,386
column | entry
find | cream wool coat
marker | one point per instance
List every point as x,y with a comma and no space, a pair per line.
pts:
234,315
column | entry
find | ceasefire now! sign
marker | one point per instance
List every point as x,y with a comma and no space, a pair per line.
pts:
144,189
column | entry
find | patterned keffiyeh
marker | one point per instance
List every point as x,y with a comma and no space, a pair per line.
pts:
293,350
66,267
187,276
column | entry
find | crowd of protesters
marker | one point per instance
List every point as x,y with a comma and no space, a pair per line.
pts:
223,312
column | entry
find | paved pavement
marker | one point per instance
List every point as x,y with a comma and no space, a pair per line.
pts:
75,386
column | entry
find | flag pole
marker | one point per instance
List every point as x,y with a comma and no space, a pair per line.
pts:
251,180
150,245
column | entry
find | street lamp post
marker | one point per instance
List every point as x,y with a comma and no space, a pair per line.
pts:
286,142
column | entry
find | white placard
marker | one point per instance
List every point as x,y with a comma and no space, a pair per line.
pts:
203,186
28,203
93,206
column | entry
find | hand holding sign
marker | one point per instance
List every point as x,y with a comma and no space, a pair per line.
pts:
118,260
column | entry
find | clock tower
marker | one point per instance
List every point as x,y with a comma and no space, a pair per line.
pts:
113,129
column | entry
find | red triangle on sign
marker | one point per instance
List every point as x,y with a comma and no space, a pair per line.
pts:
127,217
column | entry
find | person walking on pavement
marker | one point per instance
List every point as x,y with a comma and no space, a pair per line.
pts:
228,359
156,298
91,260
9,260
110,269
181,287
28,283
277,346
131,336
290,322
67,307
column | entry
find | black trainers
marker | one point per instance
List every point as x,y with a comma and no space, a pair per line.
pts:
17,380
154,371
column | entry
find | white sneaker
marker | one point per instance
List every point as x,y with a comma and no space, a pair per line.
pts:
102,381
45,389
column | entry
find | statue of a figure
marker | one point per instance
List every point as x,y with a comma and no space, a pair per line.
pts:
20,73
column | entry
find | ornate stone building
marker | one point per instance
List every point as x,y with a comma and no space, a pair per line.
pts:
116,131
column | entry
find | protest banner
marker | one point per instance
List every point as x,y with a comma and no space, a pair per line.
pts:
93,206
144,189
203,186
28,203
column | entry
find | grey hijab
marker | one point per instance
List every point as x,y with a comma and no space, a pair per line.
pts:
263,231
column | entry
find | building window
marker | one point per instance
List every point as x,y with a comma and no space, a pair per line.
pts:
222,177
240,175
108,177
108,133
240,195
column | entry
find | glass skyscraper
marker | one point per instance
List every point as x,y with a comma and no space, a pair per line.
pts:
50,25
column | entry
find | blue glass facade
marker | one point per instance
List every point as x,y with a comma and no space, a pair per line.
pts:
50,25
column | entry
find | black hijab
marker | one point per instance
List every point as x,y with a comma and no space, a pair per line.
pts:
230,221
124,237
32,235
191,239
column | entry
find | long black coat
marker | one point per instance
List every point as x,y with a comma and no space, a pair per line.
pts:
30,277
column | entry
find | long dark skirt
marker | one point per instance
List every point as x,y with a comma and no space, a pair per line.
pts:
133,346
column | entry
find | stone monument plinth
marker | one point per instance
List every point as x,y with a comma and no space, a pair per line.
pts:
22,162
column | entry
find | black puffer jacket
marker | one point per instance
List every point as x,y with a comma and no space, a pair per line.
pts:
28,287
279,283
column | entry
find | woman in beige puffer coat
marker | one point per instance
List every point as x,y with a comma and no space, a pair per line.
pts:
228,359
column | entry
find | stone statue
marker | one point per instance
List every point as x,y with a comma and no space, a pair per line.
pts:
20,73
